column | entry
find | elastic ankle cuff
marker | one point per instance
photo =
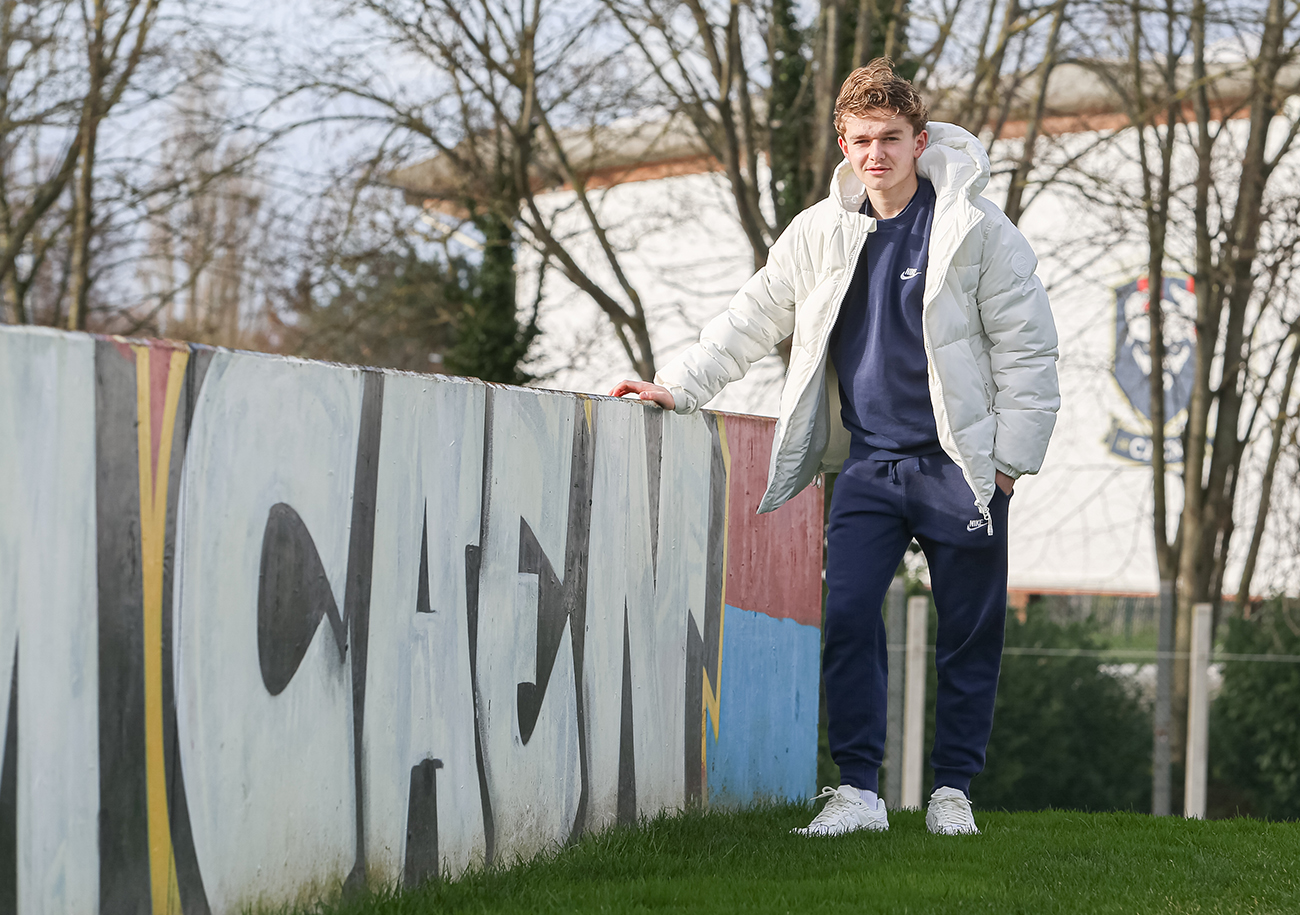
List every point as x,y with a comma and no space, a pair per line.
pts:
862,779
952,780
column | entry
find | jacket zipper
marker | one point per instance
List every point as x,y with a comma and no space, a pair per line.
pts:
985,512
835,315
841,293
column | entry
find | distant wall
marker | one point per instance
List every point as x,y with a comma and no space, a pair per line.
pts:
267,625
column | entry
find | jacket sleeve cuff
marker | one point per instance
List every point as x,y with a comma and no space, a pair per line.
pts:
1006,468
683,402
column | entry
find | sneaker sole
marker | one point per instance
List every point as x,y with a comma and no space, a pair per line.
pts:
805,831
955,832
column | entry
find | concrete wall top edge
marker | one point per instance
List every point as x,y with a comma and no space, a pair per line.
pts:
299,360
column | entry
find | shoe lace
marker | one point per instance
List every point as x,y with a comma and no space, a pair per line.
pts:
951,811
836,800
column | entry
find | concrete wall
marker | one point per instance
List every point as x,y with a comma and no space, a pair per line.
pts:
267,624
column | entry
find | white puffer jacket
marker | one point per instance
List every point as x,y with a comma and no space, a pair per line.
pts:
989,336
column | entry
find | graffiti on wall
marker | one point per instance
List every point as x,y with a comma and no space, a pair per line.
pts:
268,625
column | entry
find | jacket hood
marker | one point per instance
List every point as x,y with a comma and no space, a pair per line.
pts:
954,160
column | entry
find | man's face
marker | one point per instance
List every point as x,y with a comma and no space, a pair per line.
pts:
882,149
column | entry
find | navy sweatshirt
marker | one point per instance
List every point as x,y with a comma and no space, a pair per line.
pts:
878,348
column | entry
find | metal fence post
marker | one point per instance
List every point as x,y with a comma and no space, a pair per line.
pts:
895,634
918,617
1198,713
1163,713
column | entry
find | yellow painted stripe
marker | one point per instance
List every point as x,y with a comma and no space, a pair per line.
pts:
153,531
712,704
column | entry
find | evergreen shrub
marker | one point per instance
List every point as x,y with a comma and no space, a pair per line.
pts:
1255,721
1066,735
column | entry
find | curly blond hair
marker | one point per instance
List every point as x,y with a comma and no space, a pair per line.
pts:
878,87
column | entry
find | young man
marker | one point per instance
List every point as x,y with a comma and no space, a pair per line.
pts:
923,368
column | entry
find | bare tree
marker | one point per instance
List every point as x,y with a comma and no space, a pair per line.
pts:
758,85
679,40
116,36
1215,154
77,209
202,212
508,105
1014,205
39,100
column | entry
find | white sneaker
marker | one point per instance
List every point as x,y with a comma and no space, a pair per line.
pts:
948,814
845,811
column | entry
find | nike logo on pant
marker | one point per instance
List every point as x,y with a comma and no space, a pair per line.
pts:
909,273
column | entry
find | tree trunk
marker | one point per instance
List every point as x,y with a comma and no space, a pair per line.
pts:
1015,205
895,40
862,34
1206,529
15,312
1270,468
788,87
825,151
82,220
84,193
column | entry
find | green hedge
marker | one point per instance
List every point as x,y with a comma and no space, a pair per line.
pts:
1065,735
1255,721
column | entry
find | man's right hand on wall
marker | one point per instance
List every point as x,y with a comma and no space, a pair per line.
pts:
645,390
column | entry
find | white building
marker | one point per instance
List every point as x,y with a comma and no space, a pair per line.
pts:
1082,525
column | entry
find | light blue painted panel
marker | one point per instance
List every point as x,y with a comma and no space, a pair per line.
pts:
767,736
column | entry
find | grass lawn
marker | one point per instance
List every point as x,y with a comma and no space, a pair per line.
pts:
1023,862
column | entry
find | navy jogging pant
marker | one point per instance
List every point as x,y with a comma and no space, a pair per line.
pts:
877,508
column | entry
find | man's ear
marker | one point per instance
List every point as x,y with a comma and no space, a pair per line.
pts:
844,147
922,140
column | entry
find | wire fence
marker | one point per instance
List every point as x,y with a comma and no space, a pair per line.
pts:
1141,655
1117,616
1128,654
1123,618
1079,708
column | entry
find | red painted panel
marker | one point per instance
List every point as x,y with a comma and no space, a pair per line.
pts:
774,561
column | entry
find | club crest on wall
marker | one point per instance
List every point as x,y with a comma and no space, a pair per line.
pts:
1130,436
